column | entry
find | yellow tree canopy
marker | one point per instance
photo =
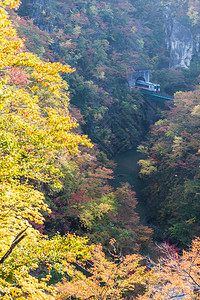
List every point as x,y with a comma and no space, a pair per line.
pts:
31,139
117,278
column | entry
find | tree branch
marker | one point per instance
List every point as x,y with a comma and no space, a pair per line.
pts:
16,241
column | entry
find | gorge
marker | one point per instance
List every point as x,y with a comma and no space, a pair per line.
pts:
99,177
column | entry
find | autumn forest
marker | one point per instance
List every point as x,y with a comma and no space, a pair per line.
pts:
72,224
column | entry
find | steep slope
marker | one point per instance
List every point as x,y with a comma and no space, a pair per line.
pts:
104,40
172,170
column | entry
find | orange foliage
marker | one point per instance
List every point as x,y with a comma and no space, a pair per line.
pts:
177,276
116,279
18,76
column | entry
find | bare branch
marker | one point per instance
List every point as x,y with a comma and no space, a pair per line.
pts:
16,241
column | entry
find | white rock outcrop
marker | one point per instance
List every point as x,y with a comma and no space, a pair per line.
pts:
181,40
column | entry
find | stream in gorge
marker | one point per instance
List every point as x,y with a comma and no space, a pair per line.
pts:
127,170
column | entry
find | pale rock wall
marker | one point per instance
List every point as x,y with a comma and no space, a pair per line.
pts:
181,41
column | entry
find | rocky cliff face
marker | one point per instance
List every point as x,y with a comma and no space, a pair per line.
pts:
182,42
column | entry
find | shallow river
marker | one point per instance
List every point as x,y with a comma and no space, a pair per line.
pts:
127,170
